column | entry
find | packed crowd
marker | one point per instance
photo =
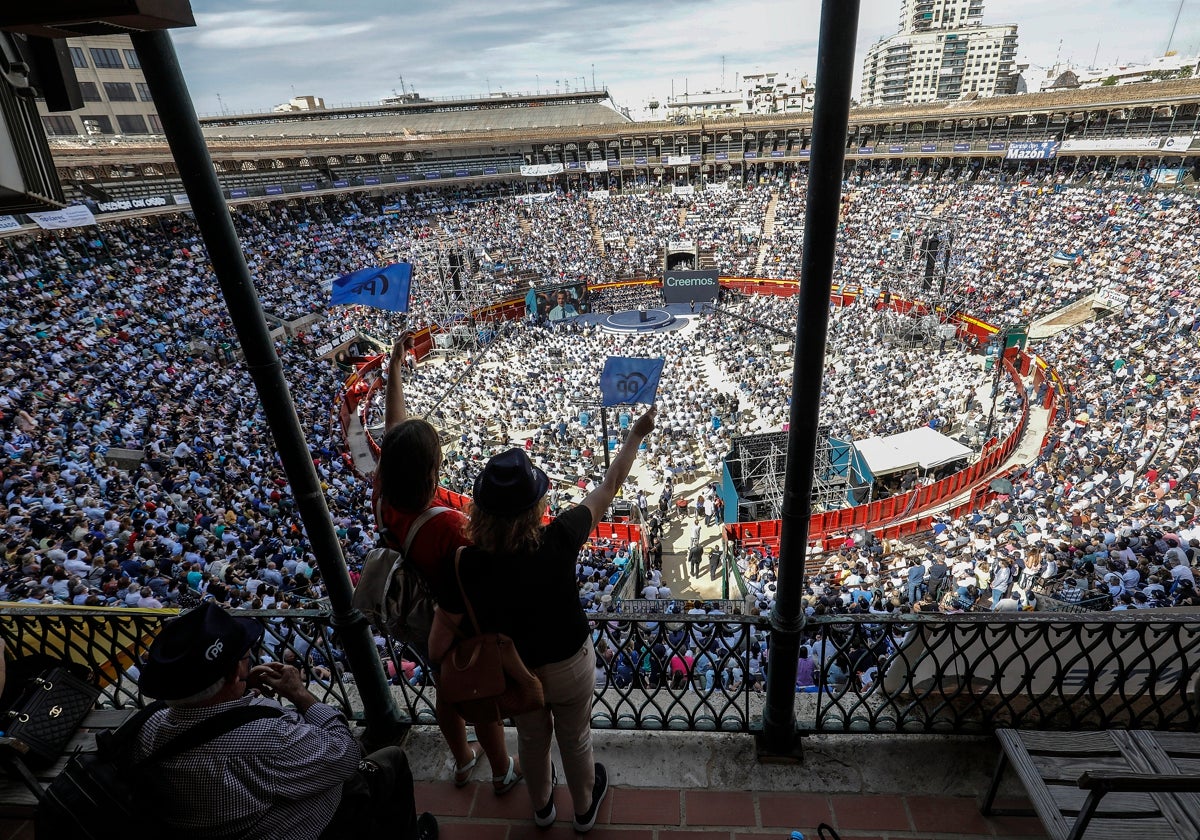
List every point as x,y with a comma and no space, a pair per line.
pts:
94,361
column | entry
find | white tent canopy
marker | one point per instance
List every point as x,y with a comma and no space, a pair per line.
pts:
923,447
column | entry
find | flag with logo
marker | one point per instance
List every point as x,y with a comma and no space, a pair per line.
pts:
381,288
625,380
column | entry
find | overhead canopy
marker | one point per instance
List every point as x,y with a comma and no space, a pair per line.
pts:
923,447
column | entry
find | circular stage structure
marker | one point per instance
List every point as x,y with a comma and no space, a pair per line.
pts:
638,320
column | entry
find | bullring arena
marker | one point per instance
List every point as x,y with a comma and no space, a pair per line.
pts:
1035,322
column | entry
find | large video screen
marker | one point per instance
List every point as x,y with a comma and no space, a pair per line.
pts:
557,303
690,286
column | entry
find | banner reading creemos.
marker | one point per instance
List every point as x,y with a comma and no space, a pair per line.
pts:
690,286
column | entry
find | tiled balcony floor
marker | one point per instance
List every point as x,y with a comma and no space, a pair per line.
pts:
473,813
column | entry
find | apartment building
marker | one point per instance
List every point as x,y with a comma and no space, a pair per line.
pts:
942,51
116,98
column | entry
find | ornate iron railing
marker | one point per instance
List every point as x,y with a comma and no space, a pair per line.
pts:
941,674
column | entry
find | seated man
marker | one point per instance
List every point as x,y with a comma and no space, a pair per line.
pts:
927,604
1070,591
294,774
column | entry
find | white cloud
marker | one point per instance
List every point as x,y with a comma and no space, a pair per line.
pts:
356,50
261,30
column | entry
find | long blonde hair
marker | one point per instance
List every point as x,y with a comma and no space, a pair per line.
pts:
507,534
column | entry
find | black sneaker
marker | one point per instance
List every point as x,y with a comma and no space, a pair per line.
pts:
545,816
585,821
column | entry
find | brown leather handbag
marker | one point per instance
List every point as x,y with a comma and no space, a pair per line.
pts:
482,675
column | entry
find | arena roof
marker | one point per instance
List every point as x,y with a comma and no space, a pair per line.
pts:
1144,93
424,118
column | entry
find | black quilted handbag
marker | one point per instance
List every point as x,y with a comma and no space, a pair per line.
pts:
48,713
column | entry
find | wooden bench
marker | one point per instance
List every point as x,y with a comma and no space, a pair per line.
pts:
1110,784
16,799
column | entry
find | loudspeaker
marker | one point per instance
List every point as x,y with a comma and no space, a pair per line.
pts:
53,73
28,176
456,266
932,244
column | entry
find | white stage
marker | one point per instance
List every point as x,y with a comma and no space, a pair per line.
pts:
923,447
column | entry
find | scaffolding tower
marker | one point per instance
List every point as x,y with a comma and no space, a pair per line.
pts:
757,465
449,291
921,289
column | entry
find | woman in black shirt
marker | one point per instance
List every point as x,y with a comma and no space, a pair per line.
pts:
520,579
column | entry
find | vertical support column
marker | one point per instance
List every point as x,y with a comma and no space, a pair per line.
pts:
165,78
835,72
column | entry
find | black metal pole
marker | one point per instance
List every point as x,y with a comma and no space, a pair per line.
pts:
835,71
604,431
157,56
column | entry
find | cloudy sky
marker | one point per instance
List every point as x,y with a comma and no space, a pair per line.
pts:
248,55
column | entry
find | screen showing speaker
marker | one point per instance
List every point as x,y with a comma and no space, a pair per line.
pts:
690,286
557,303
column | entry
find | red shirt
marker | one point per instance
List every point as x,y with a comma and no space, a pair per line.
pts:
438,538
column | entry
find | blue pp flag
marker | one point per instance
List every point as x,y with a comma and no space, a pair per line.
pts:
382,288
629,380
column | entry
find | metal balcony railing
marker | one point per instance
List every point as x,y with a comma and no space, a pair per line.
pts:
967,673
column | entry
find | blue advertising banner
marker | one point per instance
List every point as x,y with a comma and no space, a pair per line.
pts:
370,180
274,189
402,178
432,176
239,193
895,149
929,147
776,153
573,164
962,147
996,146
695,158
805,152
866,150
639,161
307,187
722,156
490,170
461,173
341,182
750,155
1045,150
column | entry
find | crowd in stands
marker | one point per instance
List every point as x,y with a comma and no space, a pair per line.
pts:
612,299
116,337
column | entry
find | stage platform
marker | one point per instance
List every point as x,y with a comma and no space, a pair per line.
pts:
665,318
